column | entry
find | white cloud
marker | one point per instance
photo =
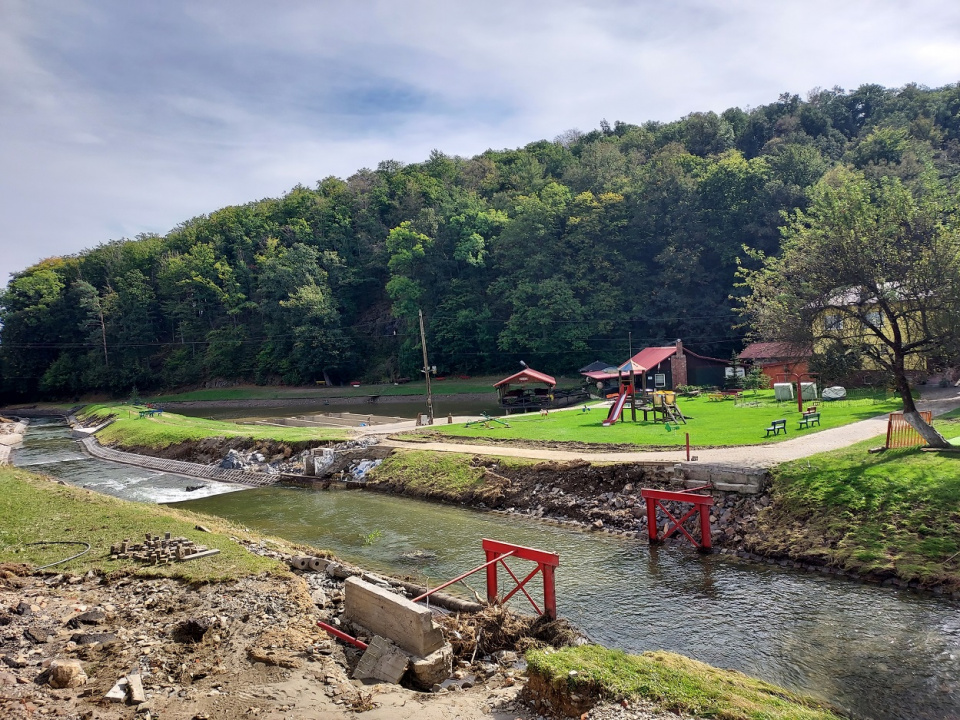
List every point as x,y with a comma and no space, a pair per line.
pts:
121,117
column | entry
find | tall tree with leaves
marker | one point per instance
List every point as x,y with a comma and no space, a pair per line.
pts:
870,264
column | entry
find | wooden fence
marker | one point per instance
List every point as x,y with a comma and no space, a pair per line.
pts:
900,434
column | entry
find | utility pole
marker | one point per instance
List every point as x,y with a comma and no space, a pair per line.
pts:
426,371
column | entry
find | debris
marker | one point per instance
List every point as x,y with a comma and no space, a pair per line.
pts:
66,674
136,688
157,551
382,660
118,693
434,668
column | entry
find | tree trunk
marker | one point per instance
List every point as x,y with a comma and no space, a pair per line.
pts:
910,414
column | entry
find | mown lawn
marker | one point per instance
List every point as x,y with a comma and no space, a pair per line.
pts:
674,683
710,423
35,508
130,429
892,513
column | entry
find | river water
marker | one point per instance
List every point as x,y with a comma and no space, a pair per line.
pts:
878,653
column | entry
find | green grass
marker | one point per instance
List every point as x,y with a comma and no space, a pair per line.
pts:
430,473
674,683
891,513
130,430
712,424
35,508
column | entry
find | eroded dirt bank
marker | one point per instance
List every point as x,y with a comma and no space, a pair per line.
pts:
246,649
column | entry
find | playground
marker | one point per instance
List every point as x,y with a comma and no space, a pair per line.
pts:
733,420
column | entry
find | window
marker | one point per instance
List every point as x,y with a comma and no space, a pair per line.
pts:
729,372
874,318
832,322
660,380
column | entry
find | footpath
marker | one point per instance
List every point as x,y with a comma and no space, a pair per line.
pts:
937,400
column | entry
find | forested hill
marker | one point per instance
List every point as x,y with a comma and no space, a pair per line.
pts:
549,253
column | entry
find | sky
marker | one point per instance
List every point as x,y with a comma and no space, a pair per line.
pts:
119,118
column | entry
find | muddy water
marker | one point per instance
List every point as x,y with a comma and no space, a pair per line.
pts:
876,652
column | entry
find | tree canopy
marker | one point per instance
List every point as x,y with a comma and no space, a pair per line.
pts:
872,267
550,253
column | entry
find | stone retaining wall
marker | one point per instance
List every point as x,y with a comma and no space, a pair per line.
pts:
728,478
178,467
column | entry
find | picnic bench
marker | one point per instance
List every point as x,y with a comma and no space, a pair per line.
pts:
809,420
151,412
776,426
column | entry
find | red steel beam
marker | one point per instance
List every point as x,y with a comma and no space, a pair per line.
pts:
537,556
342,635
677,496
460,577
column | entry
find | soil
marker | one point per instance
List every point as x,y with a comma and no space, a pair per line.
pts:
571,445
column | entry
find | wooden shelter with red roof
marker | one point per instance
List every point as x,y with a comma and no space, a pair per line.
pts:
522,391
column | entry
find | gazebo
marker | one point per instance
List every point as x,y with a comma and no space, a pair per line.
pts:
515,392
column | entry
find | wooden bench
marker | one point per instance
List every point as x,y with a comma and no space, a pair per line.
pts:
715,397
809,420
776,426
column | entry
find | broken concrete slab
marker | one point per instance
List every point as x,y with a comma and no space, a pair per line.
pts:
382,660
434,668
392,616
135,687
118,693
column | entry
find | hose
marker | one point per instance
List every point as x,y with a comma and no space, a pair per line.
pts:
62,542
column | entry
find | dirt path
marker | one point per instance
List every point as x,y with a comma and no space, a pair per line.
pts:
939,400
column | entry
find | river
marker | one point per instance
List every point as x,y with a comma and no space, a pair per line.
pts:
879,653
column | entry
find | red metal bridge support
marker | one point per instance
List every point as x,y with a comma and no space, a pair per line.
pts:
546,564
701,506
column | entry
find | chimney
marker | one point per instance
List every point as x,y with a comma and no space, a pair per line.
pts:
678,366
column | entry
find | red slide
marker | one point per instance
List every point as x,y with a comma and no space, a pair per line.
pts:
617,407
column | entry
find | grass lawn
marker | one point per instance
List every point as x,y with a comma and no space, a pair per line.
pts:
130,429
35,508
893,513
674,683
711,423
450,385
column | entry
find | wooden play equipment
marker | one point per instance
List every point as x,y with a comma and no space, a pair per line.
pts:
486,422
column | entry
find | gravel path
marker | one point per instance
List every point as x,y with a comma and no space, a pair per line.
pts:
939,400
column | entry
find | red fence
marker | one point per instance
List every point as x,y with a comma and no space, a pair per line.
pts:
701,506
900,434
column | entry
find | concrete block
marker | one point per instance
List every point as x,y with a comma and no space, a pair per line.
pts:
434,668
382,660
392,616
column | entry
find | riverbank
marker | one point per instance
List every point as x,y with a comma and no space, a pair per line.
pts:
912,543
250,647
907,536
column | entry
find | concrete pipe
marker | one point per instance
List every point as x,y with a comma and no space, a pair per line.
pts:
317,564
300,562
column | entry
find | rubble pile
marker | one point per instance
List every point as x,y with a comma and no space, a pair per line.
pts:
160,551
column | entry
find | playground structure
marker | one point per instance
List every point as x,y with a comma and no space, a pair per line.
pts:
662,404
487,422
